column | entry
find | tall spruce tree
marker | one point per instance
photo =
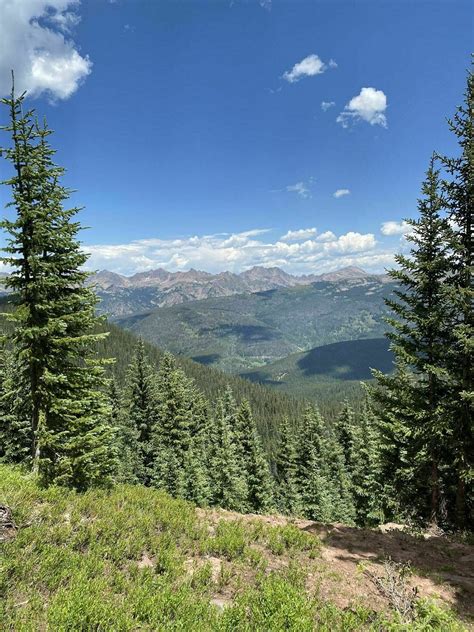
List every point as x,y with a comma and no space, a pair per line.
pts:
178,409
365,470
257,472
229,488
127,437
54,340
288,493
459,193
420,331
140,413
340,483
344,429
196,460
316,489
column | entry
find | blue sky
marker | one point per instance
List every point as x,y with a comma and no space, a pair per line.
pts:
195,135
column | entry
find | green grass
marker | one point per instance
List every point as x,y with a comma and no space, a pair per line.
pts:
134,559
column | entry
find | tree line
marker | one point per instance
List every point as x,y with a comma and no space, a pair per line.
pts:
407,454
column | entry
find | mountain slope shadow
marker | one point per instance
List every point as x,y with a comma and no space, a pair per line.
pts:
350,360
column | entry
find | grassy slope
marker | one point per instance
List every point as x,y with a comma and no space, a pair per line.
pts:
331,371
242,332
135,559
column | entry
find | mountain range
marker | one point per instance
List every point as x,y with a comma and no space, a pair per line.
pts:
123,295
246,331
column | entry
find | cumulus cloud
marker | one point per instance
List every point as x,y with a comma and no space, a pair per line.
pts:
325,105
395,228
341,192
308,67
299,235
369,105
298,251
300,189
35,41
328,235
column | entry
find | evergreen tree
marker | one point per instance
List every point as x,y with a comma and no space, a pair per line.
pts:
196,459
229,489
257,472
340,484
420,330
289,496
173,434
72,441
15,427
344,429
313,473
366,472
140,414
459,192
403,476
127,437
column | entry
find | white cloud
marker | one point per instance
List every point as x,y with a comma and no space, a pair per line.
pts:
328,235
308,67
325,105
369,105
395,228
300,188
35,41
352,242
298,251
299,235
341,192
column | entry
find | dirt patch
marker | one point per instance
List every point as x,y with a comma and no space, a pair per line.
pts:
145,561
440,567
8,527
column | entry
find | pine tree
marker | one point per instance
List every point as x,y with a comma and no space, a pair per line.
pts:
229,489
196,460
366,472
340,487
419,336
140,413
344,429
127,437
257,472
403,475
459,192
15,427
289,497
72,441
313,473
173,434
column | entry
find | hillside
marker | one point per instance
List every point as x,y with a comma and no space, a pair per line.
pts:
246,331
268,405
124,295
337,368
135,559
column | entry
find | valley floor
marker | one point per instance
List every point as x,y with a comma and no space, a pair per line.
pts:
135,559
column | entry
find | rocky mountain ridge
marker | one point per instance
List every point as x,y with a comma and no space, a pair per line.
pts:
123,295
253,278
